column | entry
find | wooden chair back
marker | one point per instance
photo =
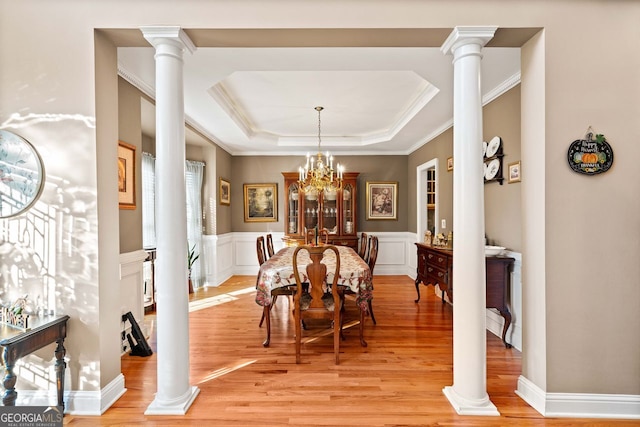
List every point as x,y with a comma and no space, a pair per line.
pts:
262,255
323,305
270,250
364,246
373,253
310,237
323,236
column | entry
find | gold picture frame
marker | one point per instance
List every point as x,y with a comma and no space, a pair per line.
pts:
126,175
514,172
225,192
449,164
261,202
382,200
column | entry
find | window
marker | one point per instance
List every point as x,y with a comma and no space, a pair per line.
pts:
148,201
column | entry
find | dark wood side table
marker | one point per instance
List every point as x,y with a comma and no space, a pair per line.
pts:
435,266
17,343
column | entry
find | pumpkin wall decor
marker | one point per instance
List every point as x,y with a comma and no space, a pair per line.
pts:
590,156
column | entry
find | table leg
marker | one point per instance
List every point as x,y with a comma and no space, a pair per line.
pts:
10,394
267,316
418,289
362,341
60,352
507,321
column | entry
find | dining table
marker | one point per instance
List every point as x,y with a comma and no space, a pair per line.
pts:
277,272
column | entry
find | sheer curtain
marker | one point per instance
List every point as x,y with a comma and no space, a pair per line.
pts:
148,201
193,181
194,172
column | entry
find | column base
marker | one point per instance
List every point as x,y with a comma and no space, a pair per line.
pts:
465,406
179,408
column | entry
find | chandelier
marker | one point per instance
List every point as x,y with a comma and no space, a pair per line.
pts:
318,173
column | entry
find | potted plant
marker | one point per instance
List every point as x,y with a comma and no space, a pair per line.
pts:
192,256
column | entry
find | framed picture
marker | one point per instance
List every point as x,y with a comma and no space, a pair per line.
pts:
126,175
225,192
382,200
514,172
261,202
450,164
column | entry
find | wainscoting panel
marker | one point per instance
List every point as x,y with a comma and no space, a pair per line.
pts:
132,289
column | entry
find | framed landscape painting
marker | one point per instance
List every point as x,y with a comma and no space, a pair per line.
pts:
261,202
382,200
126,175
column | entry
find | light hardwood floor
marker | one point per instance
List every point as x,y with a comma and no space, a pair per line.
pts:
396,381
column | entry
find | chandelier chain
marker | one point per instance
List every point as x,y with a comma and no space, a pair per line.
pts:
318,174
319,138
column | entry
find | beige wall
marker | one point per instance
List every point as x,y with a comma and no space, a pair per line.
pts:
260,169
589,230
129,131
501,117
224,212
502,211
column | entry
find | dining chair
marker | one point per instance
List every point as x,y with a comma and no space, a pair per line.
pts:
260,250
317,303
262,258
270,250
364,246
373,256
310,236
371,262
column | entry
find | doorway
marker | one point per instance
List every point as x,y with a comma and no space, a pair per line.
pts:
427,196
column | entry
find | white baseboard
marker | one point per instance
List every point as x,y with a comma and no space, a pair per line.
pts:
579,405
76,402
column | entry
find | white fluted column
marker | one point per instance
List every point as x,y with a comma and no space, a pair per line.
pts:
174,395
468,395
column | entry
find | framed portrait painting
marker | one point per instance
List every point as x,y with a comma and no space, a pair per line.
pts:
126,175
225,192
261,202
382,200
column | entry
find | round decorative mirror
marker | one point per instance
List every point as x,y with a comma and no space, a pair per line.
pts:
21,174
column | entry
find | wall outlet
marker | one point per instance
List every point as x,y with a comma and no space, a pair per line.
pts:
443,224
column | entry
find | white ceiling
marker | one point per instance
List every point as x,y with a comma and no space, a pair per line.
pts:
261,101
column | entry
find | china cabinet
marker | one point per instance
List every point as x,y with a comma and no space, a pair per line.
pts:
333,210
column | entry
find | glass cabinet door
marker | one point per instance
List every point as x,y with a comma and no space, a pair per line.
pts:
329,211
348,208
294,204
311,210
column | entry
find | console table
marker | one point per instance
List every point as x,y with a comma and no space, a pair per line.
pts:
435,266
17,343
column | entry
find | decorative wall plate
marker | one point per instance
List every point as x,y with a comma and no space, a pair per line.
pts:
493,146
484,148
492,169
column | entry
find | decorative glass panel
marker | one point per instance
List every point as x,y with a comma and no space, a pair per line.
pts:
347,209
294,204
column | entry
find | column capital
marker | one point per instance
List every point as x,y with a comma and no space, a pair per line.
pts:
461,36
173,35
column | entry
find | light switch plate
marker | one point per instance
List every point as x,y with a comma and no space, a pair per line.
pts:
443,224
